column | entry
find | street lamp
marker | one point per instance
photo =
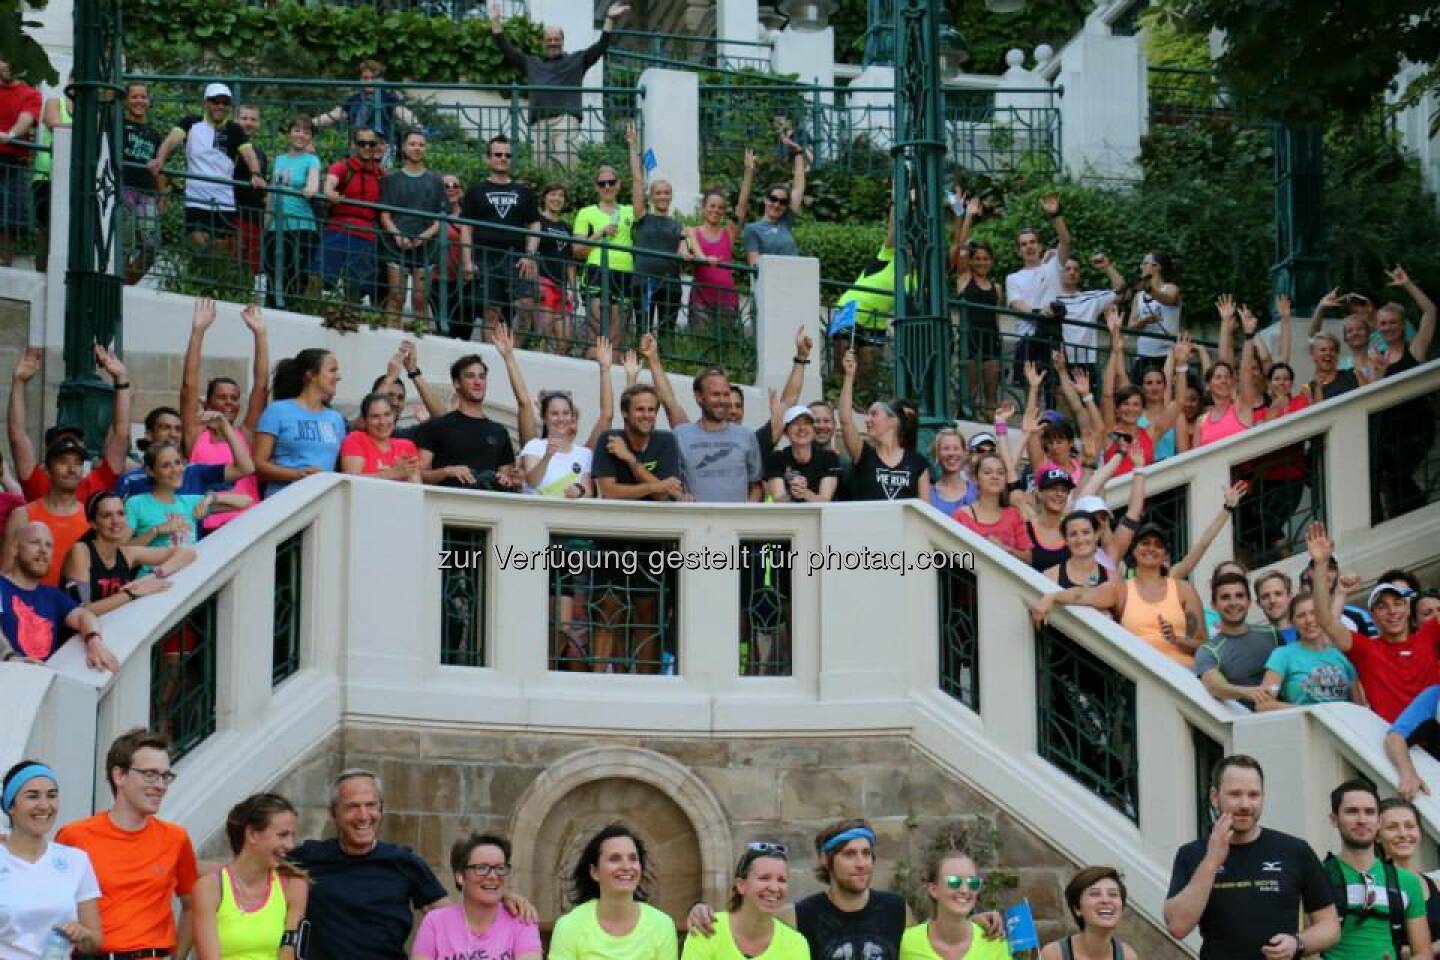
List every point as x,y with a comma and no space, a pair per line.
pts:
808,15
954,53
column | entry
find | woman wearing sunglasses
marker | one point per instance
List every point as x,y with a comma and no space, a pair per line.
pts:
771,234
953,886
1096,898
479,925
608,269
749,928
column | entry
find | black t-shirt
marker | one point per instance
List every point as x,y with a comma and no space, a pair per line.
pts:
361,908
140,143
651,231
822,464
1344,382
511,204
871,479
661,457
871,933
247,197
459,439
1257,894
553,251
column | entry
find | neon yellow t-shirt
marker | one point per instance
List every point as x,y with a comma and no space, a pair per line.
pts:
874,310
579,936
592,221
785,944
915,945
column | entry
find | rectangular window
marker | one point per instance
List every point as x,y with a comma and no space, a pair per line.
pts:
1404,458
765,608
462,596
289,585
1287,493
182,679
959,618
614,604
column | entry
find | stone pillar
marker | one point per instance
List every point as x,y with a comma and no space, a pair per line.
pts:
670,113
787,295
737,20
1103,111
810,54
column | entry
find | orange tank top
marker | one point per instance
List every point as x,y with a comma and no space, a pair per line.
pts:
1142,618
66,529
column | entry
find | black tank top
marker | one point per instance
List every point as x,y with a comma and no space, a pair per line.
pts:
107,581
1041,556
1432,906
1063,578
978,294
1067,952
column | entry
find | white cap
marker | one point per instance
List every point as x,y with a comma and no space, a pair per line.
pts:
218,90
795,412
979,437
1404,593
1091,504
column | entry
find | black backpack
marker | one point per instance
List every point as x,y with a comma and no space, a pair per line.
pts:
1395,900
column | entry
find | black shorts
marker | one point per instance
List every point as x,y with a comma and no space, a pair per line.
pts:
217,223
497,281
41,192
984,336
593,284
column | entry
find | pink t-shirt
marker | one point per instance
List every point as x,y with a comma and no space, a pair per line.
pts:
1009,529
212,449
444,935
358,443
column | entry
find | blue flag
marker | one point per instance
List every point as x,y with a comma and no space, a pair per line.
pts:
844,319
1020,930
650,162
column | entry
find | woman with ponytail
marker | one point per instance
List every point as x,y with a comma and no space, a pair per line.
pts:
299,434
887,467
252,908
102,571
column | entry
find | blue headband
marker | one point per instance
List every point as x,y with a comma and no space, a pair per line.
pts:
27,773
845,836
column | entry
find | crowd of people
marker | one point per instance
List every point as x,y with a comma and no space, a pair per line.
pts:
108,886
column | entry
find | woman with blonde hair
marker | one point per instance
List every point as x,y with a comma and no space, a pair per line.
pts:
953,885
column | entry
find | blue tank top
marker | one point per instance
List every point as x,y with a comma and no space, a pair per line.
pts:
1165,446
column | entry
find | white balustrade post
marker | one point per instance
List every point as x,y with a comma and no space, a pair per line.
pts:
670,113
1103,113
1167,806
1300,764
787,296
59,239
245,621
809,54
871,105
737,20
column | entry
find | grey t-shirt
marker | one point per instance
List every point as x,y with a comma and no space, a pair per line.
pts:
424,193
719,465
1241,658
662,234
765,237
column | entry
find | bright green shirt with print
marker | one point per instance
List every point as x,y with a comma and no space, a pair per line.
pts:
1365,934
915,945
591,223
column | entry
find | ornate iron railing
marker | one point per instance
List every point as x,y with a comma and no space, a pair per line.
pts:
614,605
958,614
766,591
182,679
289,606
462,596
1287,493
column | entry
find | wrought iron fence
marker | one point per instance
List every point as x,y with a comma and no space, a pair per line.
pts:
958,614
614,605
457,10
1170,510
462,595
1087,720
24,201
1183,95
289,606
766,592
1404,458
1287,493
182,679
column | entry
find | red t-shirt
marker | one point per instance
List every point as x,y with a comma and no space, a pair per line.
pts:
1147,450
1009,529
360,444
357,181
1396,673
16,99
100,477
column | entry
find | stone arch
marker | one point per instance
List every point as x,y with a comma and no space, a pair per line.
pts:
656,793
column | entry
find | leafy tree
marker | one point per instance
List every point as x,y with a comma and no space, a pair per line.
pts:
17,48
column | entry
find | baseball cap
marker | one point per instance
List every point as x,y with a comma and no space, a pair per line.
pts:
983,436
66,444
1052,416
218,90
1152,530
796,412
62,430
1091,504
1383,588
1051,475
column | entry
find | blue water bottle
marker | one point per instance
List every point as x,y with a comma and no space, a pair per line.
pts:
667,663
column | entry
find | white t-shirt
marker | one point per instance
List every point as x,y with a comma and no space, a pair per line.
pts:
564,469
36,897
1036,287
211,151
1084,306
1156,316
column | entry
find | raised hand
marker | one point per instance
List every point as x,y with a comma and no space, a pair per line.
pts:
1081,378
649,348
203,316
847,364
1248,321
631,137
631,364
1030,423
1034,376
1332,299
1282,306
1234,492
407,356
803,343
1057,357
1113,320
604,353
1005,411
504,343
106,360
617,10
1183,348
29,364
1050,205
1099,261
1349,583
1398,276
1225,306
974,206
1318,542
395,364
749,160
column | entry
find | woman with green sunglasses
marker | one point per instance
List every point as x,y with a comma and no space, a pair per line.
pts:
953,885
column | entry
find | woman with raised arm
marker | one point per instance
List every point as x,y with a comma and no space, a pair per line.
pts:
749,926
1163,612
51,900
525,425
1232,496
657,278
1082,566
772,233
1096,899
713,298
886,467
953,885
555,465
1406,432
1123,409
609,917
1232,399
1309,670
990,515
253,907
165,516
102,570
375,451
299,434
972,261
1156,311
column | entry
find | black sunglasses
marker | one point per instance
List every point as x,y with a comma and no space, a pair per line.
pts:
606,183
367,143
223,101
500,156
783,201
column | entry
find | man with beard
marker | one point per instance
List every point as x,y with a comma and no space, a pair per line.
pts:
465,448
59,510
1382,907
1231,664
848,920
1244,885
638,462
34,618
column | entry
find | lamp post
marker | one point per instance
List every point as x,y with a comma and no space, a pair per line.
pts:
922,340
93,291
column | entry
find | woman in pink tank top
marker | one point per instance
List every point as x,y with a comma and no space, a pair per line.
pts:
713,298
1232,404
205,443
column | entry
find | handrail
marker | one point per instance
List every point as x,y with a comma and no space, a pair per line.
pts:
356,83
692,38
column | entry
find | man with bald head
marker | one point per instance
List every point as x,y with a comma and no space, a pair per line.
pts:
555,114
35,618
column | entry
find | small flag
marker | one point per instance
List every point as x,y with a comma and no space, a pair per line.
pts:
650,162
1020,930
844,319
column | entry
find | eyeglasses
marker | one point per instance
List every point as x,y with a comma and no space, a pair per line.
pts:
152,777
783,201
767,848
223,101
1371,892
488,869
968,883
367,143
452,186
606,183
500,156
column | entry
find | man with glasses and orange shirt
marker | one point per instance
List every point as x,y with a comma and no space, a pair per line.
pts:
141,861
348,249
506,258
